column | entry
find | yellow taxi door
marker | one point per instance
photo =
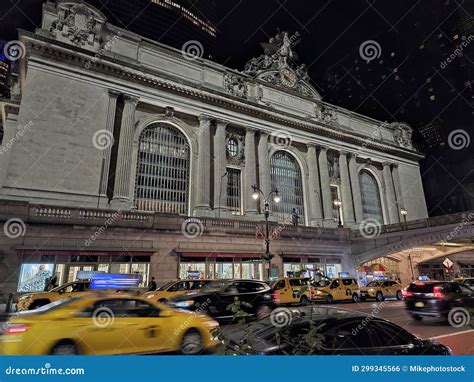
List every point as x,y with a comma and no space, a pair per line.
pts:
337,290
284,290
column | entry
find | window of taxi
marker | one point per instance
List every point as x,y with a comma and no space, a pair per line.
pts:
297,282
348,282
279,285
122,308
335,284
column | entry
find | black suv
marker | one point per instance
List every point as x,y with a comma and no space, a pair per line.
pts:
214,299
326,331
437,298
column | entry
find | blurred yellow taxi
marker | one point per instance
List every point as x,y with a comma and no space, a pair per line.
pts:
337,289
291,290
380,290
176,288
106,324
468,281
35,300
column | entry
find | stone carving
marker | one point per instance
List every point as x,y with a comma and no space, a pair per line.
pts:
402,134
325,114
79,24
239,158
235,85
277,65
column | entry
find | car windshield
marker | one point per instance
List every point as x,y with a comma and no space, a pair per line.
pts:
166,286
373,284
58,288
51,306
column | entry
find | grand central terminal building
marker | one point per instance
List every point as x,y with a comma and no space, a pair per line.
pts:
123,155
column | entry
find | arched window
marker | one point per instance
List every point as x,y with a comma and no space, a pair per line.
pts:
370,193
286,178
162,181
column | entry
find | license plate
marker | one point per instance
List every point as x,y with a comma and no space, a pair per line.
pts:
420,304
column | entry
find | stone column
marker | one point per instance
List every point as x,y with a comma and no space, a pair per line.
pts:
220,181
346,194
121,199
264,166
356,195
9,138
250,172
390,194
315,212
204,165
105,162
325,187
398,190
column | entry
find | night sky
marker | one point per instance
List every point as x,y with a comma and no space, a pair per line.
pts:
406,83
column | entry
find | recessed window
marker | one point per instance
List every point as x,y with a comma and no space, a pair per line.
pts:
232,147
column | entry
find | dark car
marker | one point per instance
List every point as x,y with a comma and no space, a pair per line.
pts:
326,331
437,299
255,298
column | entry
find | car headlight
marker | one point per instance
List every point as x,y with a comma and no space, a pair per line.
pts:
319,292
24,297
183,304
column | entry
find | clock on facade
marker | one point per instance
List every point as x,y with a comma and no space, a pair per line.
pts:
288,77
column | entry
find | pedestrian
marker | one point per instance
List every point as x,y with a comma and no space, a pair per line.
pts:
294,217
53,282
152,285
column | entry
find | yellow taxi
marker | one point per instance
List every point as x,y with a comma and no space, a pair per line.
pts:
176,288
468,281
107,324
380,290
291,290
35,300
337,289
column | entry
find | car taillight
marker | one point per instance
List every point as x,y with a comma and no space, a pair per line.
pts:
406,293
16,329
276,297
438,292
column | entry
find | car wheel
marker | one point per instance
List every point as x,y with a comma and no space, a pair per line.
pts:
379,296
191,344
416,317
355,298
263,311
65,347
330,299
399,295
304,300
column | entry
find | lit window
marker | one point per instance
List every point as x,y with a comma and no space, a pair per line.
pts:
232,147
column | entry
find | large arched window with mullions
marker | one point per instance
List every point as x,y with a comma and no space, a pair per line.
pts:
286,178
370,194
162,180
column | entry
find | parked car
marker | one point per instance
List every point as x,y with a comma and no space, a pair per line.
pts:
337,289
379,290
98,324
469,281
437,298
175,288
214,299
327,331
292,290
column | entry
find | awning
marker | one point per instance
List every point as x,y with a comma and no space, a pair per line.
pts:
54,252
240,255
378,268
309,256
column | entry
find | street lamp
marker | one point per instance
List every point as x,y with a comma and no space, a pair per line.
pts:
338,204
404,213
257,192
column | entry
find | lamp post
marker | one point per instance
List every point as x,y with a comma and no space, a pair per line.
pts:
257,192
404,213
338,204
